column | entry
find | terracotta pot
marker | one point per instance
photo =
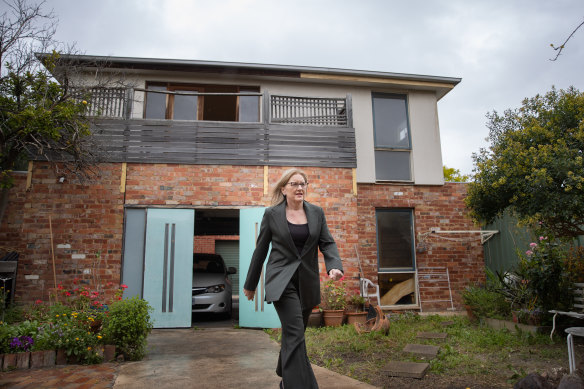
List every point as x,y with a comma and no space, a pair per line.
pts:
356,317
315,318
333,318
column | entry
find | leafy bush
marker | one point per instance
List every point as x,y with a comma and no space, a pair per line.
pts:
127,325
485,302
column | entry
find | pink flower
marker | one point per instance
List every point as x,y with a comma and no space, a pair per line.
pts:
37,302
541,238
124,286
529,253
67,294
533,245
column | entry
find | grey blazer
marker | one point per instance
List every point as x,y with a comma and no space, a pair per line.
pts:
284,258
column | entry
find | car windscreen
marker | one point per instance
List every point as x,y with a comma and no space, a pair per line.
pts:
208,264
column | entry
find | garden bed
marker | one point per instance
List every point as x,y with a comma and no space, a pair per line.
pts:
499,324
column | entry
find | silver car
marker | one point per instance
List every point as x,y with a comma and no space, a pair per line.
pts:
211,285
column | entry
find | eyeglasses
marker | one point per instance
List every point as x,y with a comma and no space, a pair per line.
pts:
298,184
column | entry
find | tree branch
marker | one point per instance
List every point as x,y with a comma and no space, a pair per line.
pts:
561,47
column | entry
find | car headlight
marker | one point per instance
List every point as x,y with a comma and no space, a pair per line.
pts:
215,288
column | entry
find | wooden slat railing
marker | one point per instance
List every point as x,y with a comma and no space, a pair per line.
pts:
105,102
315,111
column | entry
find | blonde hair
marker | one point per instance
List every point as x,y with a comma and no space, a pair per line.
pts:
277,196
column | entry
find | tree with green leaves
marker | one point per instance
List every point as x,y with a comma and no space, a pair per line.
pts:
39,117
453,175
534,165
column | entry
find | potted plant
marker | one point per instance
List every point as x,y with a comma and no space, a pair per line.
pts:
334,298
357,314
315,318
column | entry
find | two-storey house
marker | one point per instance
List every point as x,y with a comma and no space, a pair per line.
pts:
189,150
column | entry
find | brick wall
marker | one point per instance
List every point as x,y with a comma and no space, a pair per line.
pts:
206,244
433,206
87,219
84,222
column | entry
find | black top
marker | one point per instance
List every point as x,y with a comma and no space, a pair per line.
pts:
299,233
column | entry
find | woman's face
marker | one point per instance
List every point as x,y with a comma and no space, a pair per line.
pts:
292,190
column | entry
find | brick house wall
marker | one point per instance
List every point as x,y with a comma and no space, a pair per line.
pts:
206,244
87,219
433,206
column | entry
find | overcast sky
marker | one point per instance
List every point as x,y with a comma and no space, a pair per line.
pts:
500,48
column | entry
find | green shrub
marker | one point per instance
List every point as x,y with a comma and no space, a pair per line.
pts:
486,303
127,325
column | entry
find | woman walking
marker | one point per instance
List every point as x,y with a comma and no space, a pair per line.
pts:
296,230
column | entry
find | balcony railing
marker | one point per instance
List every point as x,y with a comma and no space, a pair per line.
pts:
308,111
105,102
291,131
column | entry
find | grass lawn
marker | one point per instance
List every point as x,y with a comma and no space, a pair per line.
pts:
472,356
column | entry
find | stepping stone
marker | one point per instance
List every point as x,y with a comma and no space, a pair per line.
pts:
406,369
431,335
422,350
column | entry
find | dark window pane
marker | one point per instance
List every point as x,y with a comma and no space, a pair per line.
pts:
185,107
155,103
392,165
394,240
390,119
249,108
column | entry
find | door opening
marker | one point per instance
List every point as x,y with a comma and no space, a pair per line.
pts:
215,294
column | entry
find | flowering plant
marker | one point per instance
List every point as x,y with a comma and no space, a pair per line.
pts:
21,343
334,295
544,282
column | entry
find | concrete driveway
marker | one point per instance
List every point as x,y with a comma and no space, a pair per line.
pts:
214,357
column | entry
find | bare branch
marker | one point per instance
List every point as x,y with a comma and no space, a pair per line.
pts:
561,47
24,29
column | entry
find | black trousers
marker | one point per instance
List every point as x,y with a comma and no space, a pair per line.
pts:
293,364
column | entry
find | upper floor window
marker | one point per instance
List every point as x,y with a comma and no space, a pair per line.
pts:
392,137
202,102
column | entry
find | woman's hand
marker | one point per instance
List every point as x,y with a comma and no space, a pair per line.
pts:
335,274
249,293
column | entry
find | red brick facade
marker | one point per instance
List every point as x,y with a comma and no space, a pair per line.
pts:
87,219
433,206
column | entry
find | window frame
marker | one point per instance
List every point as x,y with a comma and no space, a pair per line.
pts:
201,88
397,272
412,244
379,148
